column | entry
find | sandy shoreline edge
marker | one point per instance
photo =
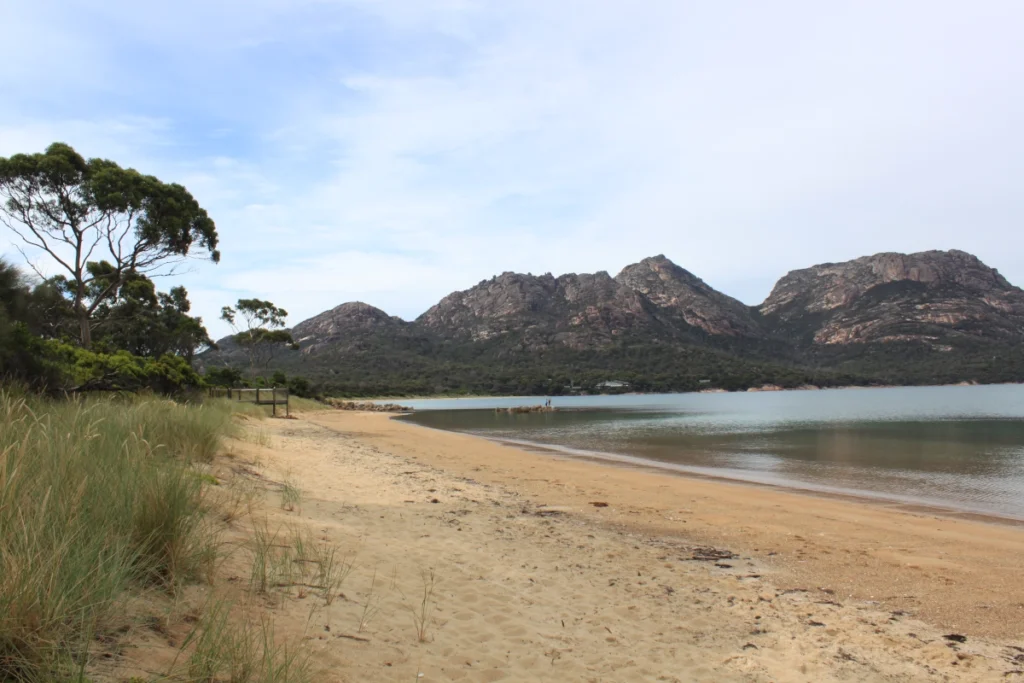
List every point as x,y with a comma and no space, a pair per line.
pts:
643,464
955,570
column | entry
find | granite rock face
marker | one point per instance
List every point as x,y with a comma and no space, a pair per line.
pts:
655,299
345,324
576,311
680,294
933,297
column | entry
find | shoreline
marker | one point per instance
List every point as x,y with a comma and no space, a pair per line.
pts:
1005,510
643,464
955,572
630,462
752,390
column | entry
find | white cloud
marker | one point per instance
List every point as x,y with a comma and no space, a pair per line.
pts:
393,151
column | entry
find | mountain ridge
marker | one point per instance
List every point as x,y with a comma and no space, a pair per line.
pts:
884,318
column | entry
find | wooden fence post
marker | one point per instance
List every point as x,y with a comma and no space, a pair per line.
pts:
273,402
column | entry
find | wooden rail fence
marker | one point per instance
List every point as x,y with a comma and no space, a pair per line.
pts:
261,396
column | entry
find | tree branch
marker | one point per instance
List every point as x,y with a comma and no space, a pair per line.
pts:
42,244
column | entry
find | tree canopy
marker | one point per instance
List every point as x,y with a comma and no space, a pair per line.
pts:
93,318
20,346
258,330
78,212
139,319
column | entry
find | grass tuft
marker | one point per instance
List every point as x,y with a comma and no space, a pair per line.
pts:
291,495
422,611
96,496
246,653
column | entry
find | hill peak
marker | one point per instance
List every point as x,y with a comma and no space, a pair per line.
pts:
681,294
929,296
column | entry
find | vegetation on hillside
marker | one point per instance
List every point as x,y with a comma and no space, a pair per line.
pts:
384,364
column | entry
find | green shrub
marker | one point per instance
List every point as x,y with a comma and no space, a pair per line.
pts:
86,370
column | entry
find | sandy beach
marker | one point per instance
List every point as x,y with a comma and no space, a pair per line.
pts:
549,569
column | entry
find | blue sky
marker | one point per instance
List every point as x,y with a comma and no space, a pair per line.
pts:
393,151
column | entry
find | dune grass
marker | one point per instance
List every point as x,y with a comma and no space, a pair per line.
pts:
299,404
246,652
96,497
240,408
291,495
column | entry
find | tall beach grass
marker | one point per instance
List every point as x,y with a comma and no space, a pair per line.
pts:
96,497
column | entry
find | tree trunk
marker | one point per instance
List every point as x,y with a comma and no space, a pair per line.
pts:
85,329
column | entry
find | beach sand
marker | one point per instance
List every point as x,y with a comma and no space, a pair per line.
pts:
667,578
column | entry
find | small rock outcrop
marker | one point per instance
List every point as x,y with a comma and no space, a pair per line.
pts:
366,406
519,410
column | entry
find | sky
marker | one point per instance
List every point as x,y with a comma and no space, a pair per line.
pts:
393,151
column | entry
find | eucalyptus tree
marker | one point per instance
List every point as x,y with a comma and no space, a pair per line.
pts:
76,211
259,330
139,319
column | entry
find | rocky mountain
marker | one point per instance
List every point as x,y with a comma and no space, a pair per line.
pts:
681,295
347,326
934,298
655,299
575,311
895,318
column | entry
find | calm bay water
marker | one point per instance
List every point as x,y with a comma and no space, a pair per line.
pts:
954,447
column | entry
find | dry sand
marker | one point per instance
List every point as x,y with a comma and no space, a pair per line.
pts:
535,583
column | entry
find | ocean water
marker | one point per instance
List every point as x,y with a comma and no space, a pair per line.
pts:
960,448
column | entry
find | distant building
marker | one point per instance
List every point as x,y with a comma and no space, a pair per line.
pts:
613,384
